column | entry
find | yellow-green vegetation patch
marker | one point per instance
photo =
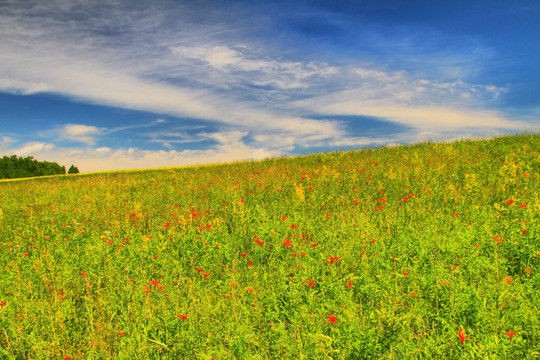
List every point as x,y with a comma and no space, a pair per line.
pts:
412,252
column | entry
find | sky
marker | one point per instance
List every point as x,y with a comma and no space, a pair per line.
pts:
132,84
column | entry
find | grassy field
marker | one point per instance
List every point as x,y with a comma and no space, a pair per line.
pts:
429,251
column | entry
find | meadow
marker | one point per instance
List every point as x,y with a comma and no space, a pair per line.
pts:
426,251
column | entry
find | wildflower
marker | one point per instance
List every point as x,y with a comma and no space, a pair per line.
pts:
84,273
249,290
453,267
287,243
120,333
228,295
293,226
67,357
498,239
349,284
182,317
332,319
413,294
256,239
250,262
461,335
523,205
155,256
457,214
508,280
315,244
405,273
331,259
233,284
509,201
510,333
523,231
283,218
311,283
198,270
205,275
2,303
243,255
379,208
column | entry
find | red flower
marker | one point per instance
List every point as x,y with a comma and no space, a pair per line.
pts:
453,267
523,205
120,333
205,275
457,214
198,270
349,284
256,239
508,280
510,333
331,259
524,231
250,262
167,224
332,319
315,245
405,273
509,201
461,336
413,294
2,303
233,284
379,208
287,243
283,218
293,226
244,255
67,357
249,290
183,317
311,283
356,202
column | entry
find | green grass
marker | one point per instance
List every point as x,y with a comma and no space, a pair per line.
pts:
252,260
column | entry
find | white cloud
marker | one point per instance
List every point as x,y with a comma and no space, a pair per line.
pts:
104,158
79,133
153,61
6,141
32,149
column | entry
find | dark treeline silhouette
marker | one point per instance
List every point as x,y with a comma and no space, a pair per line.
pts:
13,167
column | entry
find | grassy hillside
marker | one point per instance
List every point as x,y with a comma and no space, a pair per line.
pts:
425,251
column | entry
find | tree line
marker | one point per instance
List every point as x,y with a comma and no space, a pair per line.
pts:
13,167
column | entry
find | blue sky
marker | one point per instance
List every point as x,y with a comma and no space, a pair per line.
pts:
138,84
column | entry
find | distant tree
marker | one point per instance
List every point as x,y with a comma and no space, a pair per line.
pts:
12,167
73,170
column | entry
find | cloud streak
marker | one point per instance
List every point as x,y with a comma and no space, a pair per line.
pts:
245,94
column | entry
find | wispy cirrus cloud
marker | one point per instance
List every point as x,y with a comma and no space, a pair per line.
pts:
243,92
